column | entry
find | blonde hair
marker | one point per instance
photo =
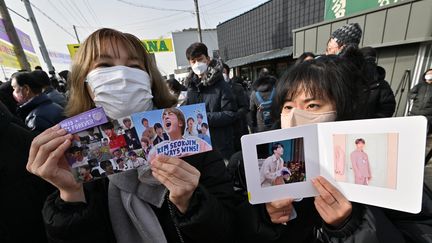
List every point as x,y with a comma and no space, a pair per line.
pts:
95,45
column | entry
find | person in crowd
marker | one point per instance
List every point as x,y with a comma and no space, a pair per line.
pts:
272,166
360,163
306,56
63,82
85,173
206,85
381,100
171,200
49,90
203,135
261,102
320,90
190,128
177,89
421,95
7,97
35,107
240,126
23,194
115,141
160,134
343,37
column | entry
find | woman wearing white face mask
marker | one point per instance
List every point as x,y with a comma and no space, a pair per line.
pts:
171,200
316,91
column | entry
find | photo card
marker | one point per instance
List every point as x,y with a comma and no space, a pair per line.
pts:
102,147
377,162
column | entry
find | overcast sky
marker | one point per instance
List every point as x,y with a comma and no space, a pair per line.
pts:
145,19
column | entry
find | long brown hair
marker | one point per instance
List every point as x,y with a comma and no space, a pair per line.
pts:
91,49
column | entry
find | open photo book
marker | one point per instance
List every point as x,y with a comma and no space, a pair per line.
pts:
102,147
377,162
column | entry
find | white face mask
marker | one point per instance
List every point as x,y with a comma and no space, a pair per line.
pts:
428,76
226,78
121,90
199,68
297,117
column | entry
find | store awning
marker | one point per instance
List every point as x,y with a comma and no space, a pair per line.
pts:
262,56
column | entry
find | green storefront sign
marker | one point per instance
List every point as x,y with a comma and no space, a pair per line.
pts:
340,8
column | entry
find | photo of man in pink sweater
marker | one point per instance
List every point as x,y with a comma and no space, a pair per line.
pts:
360,163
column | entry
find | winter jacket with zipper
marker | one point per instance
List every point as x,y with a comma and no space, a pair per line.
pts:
220,105
208,218
40,113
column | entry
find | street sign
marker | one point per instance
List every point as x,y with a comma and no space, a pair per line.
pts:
340,8
152,46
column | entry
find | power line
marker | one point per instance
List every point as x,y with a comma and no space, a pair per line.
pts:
13,11
67,9
52,20
92,12
60,12
70,8
155,8
79,11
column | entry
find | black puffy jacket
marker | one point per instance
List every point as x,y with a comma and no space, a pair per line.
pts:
220,105
381,100
208,219
40,113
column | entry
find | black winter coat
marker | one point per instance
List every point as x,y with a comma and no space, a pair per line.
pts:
381,100
23,194
208,219
422,96
242,102
220,105
40,113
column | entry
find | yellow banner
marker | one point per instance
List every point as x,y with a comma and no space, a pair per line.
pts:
9,59
152,46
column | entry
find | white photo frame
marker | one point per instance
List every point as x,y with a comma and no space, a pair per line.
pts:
405,195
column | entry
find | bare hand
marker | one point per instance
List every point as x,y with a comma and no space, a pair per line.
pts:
280,211
179,177
332,206
47,160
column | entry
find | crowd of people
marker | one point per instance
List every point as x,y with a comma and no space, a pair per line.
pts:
198,198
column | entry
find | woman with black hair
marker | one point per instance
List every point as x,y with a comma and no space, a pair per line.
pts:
35,108
320,90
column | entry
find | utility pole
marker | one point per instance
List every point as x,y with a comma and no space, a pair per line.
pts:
76,33
42,46
13,37
198,20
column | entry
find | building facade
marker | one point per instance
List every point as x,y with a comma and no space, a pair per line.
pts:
400,32
262,37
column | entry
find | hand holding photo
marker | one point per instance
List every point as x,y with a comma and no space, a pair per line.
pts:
101,147
377,162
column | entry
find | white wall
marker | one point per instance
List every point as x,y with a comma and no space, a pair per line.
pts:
182,40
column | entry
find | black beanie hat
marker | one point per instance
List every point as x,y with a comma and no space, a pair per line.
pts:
348,34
